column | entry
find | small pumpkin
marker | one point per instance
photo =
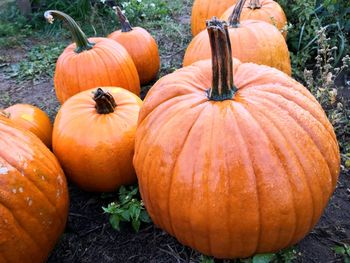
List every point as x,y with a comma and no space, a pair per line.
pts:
202,10
33,196
246,166
32,119
141,46
252,41
264,10
93,138
91,63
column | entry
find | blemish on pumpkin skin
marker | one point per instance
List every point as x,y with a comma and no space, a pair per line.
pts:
21,190
29,200
14,190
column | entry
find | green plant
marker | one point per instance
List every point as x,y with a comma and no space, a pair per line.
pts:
129,208
344,252
305,18
141,10
321,82
13,27
285,256
39,62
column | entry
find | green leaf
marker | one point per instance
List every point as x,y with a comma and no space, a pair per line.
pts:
263,258
125,215
340,250
136,225
114,220
206,259
144,217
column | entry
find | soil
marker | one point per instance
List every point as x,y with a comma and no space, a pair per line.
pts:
88,236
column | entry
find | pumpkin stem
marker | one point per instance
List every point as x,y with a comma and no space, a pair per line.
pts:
223,87
234,18
78,35
105,102
126,27
254,4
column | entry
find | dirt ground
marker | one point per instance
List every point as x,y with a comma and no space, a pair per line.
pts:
88,236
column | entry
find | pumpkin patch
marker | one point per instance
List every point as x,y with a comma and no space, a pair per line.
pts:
183,131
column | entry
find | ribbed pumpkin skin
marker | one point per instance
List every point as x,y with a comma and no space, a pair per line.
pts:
203,10
270,12
253,41
143,49
33,119
33,196
235,177
106,64
96,150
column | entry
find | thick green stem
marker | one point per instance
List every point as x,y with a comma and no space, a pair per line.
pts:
126,27
223,87
254,4
105,102
234,18
78,35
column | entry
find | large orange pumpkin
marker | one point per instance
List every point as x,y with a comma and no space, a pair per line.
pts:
265,10
202,10
91,63
33,196
33,119
252,41
93,138
242,168
141,46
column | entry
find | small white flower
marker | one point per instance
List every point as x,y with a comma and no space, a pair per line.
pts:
103,1
152,5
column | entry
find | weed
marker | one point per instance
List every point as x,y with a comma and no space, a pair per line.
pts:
39,62
129,208
306,17
13,27
344,252
321,82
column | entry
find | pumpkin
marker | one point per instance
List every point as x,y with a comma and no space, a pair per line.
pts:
264,10
141,46
202,10
252,41
33,119
91,63
33,196
242,168
93,138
